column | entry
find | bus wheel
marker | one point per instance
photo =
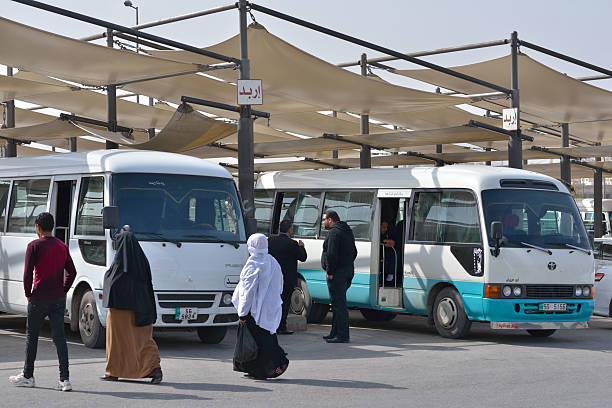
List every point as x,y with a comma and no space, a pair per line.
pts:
92,333
541,333
377,315
449,316
212,334
302,304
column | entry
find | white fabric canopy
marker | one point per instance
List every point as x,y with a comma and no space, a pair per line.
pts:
15,88
31,49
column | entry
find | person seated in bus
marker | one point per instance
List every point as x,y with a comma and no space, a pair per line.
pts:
388,255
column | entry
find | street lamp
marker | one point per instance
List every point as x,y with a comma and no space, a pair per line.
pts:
128,3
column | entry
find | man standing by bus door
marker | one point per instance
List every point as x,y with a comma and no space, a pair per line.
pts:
49,266
337,259
287,252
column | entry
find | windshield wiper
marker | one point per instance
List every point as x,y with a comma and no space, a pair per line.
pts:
158,235
586,251
236,244
527,244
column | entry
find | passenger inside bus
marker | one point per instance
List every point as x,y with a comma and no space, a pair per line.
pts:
388,261
393,215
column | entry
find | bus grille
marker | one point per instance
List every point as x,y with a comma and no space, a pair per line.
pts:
174,300
549,291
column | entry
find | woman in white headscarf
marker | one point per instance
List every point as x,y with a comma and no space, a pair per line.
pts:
257,298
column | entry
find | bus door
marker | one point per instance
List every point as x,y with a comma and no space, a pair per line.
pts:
387,246
63,195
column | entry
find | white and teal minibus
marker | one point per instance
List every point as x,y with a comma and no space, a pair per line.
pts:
472,243
184,211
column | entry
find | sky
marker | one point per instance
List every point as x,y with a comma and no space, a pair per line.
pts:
579,29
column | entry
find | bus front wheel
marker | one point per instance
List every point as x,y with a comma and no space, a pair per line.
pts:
92,333
541,333
212,334
449,315
377,315
302,304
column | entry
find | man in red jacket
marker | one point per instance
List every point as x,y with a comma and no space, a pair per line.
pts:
49,267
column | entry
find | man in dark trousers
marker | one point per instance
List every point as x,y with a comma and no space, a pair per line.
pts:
337,259
287,252
49,266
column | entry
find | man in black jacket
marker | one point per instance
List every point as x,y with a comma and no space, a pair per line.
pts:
339,253
287,252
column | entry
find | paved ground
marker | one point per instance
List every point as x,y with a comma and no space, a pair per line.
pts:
395,364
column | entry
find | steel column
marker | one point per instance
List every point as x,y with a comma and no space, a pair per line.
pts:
365,154
597,199
566,169
334,153
515,144
73,144
151,130
111,99
11,145
246,162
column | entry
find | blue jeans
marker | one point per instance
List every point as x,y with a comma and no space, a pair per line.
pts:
37,311
337,294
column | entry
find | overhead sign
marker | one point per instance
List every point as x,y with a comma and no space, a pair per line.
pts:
250,92
509,117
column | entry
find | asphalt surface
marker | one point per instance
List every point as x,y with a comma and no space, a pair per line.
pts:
402,363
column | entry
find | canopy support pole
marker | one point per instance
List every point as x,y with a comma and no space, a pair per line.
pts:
151,131
438,151
246,162
566,169
73,144
515,148
365,155
111,100
11,145
334,153
597,202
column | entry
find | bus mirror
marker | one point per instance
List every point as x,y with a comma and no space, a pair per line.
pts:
251,226
110,217
497,230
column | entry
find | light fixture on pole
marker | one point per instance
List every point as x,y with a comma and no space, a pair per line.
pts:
128,3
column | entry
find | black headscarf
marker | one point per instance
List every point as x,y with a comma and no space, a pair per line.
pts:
127,284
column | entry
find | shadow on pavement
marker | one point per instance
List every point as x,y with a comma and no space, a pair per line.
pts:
339,384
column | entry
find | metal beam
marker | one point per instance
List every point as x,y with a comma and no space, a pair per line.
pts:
224,106
515,143
566,58
75,118
378,48
492,128
140,41
433,52
116,27
573,159
168,20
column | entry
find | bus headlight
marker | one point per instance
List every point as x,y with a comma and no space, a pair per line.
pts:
586,291
507,291
517,291
578,291
226,299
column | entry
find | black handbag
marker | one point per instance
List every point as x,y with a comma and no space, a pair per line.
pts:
246,347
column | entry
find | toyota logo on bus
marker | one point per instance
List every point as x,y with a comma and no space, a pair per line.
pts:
552,266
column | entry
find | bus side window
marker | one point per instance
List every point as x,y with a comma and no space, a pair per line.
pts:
353,207
303,209
4,191
264,204
28,199
89,220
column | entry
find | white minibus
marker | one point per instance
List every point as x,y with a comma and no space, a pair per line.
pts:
585,206
184,211
470,243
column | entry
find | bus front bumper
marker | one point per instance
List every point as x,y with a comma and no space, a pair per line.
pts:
539,325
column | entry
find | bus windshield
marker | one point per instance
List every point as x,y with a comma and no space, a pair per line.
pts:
543,218
169,207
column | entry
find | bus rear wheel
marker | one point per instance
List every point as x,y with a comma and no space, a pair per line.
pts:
541,333
302,304
212,334
92,333
377,315
449,315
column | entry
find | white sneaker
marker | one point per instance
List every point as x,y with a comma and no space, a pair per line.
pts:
64,385
20,381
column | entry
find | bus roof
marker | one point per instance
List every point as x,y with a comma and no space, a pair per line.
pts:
113,161
474,177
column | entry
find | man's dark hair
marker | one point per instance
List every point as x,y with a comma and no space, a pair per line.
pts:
285,225
45,221
332,215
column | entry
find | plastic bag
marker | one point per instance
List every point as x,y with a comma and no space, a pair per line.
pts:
246,347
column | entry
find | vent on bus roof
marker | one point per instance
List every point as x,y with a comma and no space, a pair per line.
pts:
526,183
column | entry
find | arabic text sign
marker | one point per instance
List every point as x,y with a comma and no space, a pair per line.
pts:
250,92
509,117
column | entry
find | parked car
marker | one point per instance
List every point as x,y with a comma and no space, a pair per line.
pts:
603,276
